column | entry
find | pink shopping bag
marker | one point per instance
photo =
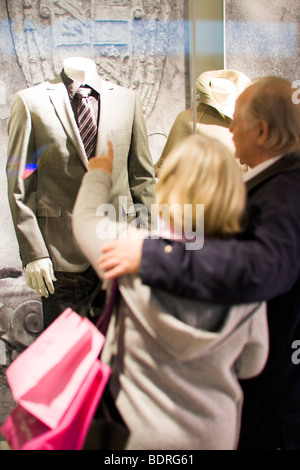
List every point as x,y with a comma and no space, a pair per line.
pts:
45,378
25,432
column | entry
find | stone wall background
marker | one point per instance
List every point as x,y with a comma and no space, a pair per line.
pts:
262,37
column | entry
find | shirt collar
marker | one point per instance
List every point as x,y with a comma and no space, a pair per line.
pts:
259,168
72,86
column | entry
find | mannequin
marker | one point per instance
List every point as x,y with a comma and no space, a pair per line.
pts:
40,273
217,91
43,128
224,92
82,70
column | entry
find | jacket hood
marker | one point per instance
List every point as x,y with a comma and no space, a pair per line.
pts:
193,329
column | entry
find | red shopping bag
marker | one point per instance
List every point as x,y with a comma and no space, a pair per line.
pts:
58,382
46,376
23,431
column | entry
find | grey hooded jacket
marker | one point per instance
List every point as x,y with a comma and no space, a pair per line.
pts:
175,362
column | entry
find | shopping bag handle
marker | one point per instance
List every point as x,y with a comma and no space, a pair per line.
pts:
103,320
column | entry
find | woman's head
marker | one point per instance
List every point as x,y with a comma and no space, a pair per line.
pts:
202,171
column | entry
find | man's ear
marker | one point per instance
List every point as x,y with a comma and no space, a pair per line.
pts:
263,134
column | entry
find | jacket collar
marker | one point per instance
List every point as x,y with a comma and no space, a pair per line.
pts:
59,97
288,162
73,86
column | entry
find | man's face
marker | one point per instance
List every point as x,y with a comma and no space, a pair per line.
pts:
245,132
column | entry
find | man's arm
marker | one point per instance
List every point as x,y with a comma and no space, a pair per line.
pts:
262,265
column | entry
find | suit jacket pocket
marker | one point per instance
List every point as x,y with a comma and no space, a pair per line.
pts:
49,211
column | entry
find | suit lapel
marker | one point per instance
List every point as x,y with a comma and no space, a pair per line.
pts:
287,163
60,100
106,123
59,97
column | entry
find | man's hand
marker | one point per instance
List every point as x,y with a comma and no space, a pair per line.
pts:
40,276
103,162
121,257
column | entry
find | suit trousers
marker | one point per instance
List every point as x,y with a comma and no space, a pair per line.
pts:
74,290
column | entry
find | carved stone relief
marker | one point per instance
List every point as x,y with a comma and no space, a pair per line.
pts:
21,318
129,40
21,322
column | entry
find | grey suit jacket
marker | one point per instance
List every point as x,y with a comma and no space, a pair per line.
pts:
42,130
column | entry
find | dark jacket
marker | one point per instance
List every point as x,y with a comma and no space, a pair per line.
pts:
261,264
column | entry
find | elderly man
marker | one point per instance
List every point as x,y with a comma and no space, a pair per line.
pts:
263,263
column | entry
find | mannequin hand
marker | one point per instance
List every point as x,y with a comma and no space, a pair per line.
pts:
121,257
40,276
103,162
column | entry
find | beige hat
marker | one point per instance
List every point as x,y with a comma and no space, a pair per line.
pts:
220,88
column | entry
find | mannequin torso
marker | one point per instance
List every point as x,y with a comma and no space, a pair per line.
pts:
83,71
42,124
224,92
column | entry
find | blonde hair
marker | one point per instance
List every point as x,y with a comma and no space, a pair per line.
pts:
272,102
201,170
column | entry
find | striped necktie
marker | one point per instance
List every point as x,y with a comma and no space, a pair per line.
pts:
87,124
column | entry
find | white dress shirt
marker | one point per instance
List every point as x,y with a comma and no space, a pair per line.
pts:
259,168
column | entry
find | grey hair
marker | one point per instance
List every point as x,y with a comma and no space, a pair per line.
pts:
272,102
